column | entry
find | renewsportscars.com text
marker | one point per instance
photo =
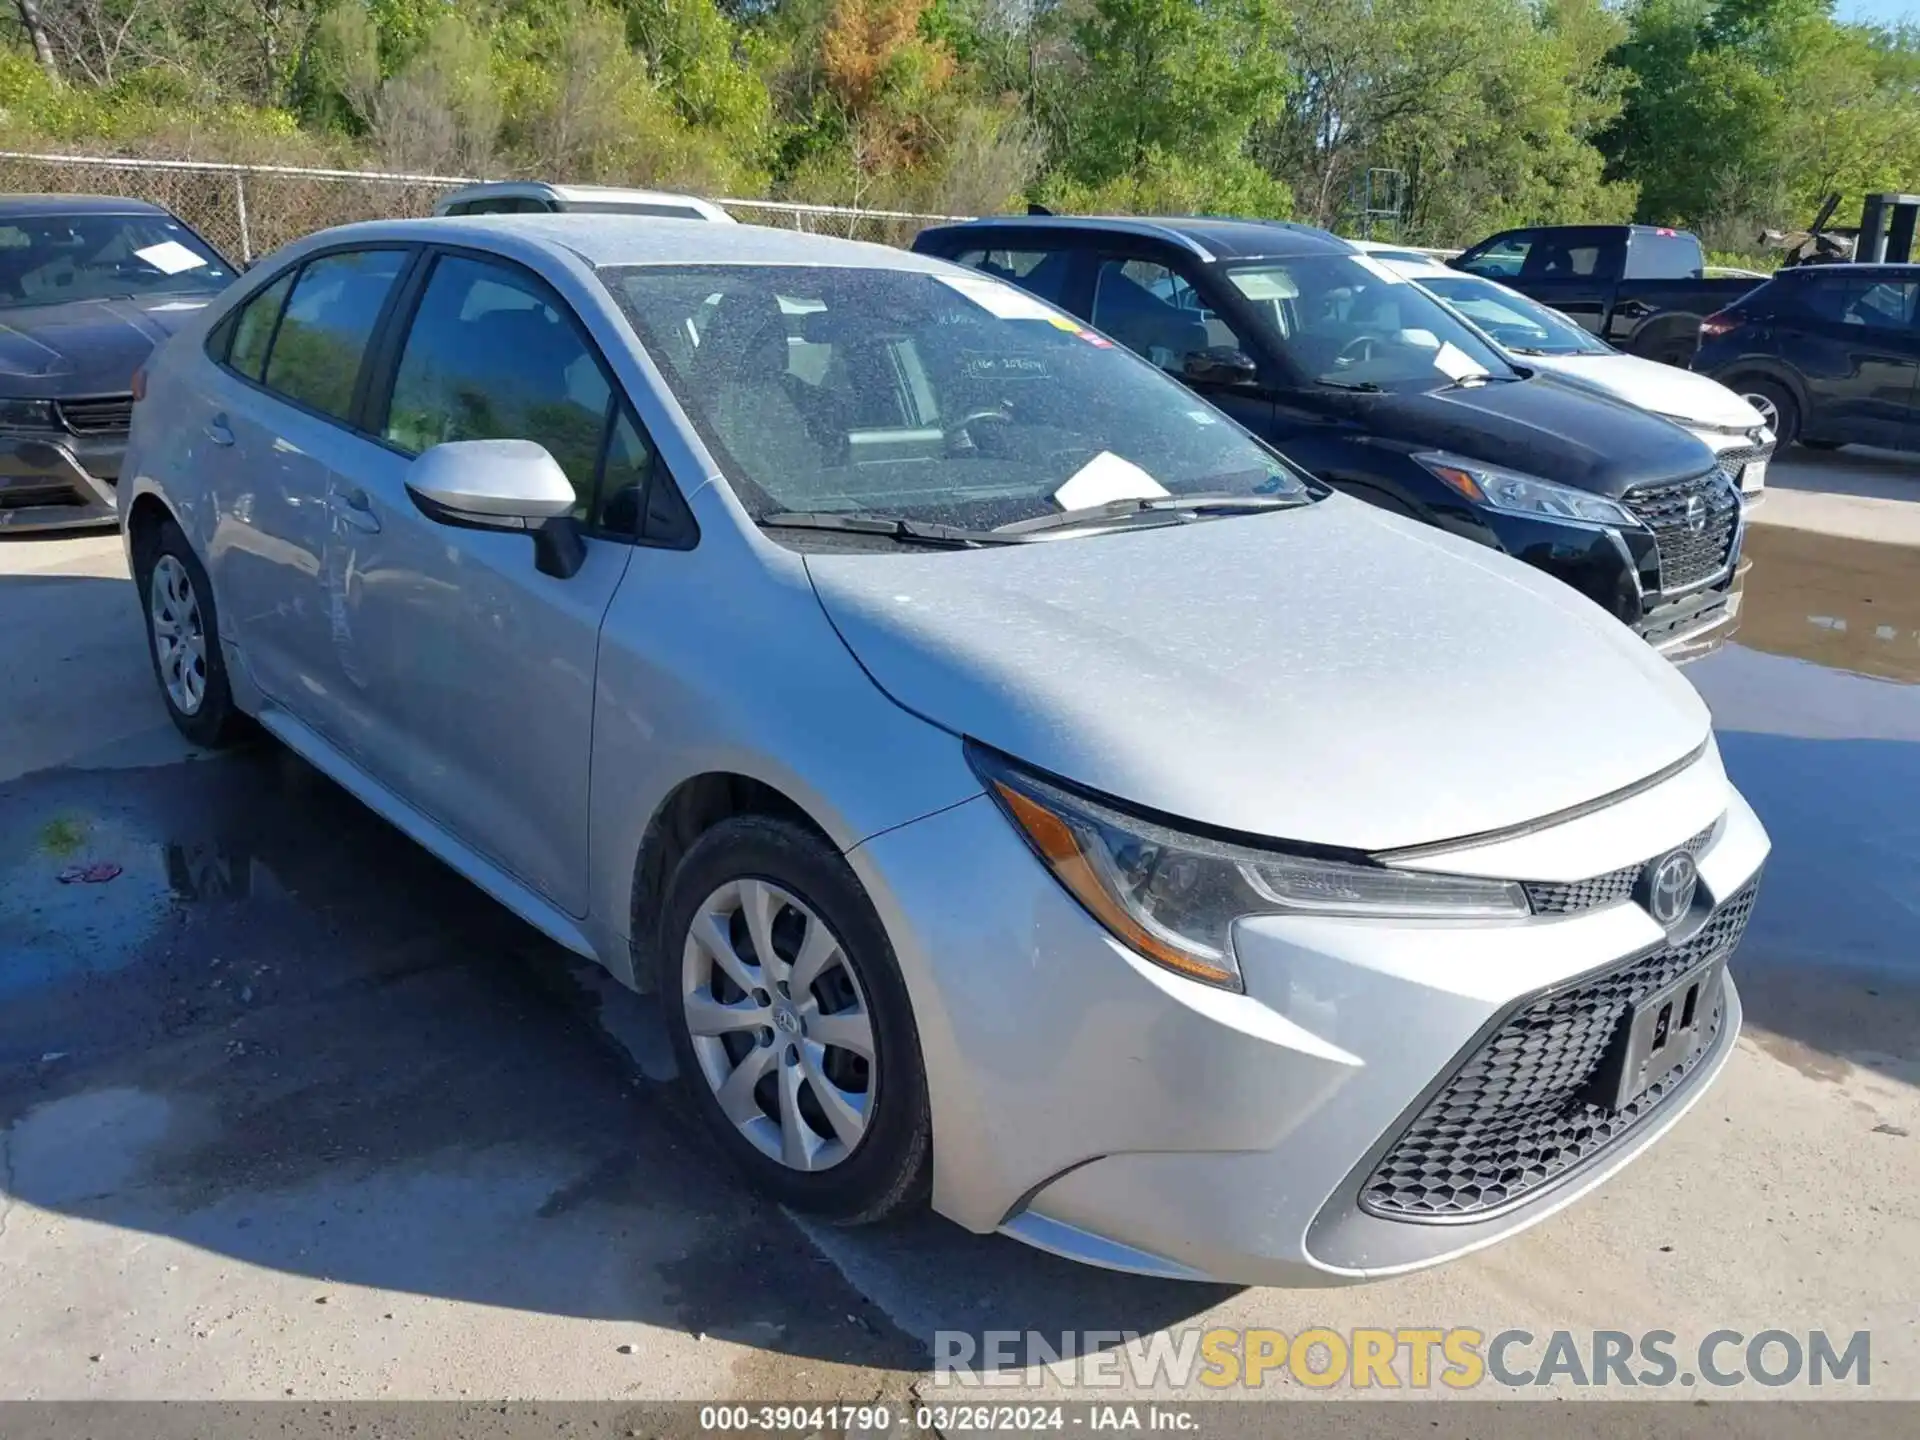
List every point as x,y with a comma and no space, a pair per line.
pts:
1414,1358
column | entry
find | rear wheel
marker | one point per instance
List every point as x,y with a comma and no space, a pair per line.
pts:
1776,406
791,1023
183,641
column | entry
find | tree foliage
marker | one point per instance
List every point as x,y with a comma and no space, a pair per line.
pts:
1446,118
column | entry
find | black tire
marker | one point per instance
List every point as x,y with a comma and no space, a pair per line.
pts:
889,1171
1786,409
216,722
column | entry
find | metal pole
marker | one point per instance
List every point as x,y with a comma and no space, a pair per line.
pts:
240,205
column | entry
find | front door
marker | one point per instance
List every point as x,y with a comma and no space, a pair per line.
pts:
470,674
1161,314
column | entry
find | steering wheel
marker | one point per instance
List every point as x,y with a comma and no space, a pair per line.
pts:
964,425
1357,350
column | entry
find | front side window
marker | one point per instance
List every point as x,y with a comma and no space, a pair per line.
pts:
1044,272
944,398
490,356
1503,258
1517,324
322,337
1156,313
1353,323
52,259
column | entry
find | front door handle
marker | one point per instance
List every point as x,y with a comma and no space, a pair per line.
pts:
219,431
356,510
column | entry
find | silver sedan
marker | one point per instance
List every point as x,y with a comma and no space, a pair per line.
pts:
1030,794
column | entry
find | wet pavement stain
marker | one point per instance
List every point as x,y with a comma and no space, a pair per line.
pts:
286,1034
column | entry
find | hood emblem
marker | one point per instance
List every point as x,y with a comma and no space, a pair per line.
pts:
1696,514
1668,885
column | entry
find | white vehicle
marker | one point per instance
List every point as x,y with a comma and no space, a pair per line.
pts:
536,197
1536,337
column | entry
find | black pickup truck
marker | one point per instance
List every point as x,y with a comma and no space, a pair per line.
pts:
1641,288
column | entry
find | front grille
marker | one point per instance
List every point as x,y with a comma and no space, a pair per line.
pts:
1515,1116
34,494
1552,897
97,415
1688,554
1735,460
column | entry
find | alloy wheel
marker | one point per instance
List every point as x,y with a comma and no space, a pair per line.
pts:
780,1025
1769,412
179,634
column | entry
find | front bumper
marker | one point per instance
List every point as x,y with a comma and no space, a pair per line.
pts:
56,481
1092,1104
1745,457
1619,569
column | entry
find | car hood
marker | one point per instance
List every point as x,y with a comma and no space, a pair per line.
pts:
1334,675
1684,396
87,347
1543,428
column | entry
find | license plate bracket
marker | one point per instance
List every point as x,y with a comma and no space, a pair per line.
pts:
1664,1032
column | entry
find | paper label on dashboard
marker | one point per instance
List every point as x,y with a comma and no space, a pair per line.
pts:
1004,302
170,257
1105,478
1454,363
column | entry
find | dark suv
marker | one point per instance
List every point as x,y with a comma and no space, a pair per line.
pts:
1830,354
1369,383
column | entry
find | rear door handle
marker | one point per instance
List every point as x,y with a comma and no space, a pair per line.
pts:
219,431
353,507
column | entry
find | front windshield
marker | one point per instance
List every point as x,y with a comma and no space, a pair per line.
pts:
1352,322
948,399
51,259
1519,325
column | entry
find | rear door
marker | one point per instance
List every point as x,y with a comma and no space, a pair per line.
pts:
276,413
471,673
1854,344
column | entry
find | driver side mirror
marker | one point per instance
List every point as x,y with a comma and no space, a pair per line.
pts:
502,485
1219,365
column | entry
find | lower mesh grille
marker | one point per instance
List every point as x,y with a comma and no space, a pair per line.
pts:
1515,1116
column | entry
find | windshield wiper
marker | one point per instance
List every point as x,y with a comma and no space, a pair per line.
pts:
893,527
1364,387
1221,503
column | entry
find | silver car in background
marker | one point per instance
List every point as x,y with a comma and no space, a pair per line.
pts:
1027,791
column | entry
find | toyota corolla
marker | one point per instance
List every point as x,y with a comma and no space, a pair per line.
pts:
1028,793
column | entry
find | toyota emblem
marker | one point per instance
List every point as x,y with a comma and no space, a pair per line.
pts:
1670,883
1696,514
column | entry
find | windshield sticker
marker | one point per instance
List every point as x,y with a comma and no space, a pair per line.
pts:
170,257
1265,285
1003,302
1380,269
1455,363
1201,417
1004,367
1104,478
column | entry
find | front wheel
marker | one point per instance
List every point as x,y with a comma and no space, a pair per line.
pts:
791,1023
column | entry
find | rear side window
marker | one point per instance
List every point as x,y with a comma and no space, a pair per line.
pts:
316,352
1869,303
1574,255
1043,272
490,356
1669,255
253,328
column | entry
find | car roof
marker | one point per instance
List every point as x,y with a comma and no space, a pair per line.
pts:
1869,269
23,205
613,239
1205,237
604,194
1419,267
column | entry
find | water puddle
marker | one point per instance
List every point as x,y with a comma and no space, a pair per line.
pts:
1848,605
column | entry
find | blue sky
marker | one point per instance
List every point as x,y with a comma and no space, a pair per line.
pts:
1884,12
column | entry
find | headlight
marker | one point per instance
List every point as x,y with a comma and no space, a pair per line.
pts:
1520,494
1173,898
26,415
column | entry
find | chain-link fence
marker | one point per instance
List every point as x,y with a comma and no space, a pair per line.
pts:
248,210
